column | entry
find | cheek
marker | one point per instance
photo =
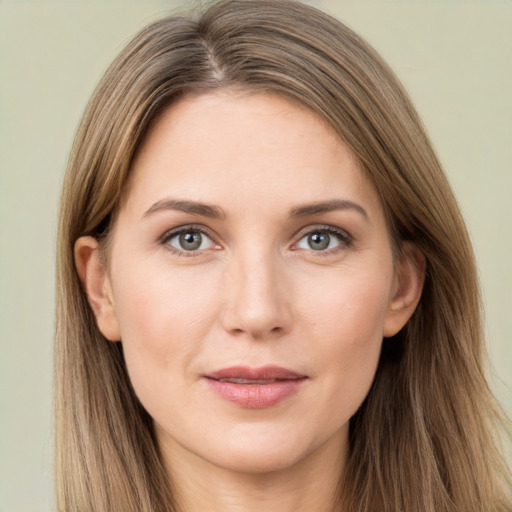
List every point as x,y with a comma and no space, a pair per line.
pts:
164,317
346,322
350,307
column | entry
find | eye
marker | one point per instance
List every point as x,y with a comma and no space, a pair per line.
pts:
189,240
323,239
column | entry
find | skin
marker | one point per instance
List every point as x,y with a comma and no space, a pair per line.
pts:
256,292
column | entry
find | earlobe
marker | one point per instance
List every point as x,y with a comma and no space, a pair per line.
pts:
96,283
408,286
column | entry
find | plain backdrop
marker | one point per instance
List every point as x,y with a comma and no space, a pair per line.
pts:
454,57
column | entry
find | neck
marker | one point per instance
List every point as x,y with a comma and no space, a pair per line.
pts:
310,484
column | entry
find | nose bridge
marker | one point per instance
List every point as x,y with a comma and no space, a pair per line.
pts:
256,302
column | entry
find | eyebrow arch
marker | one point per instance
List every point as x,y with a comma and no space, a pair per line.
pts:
326,207
192,207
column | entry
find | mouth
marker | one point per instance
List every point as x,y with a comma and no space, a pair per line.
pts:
255,388
250,381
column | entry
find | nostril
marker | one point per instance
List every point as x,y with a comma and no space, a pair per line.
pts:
255,307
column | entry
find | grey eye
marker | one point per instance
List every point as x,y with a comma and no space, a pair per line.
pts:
319,240
190,240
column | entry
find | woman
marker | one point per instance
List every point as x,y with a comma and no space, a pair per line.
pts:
267,298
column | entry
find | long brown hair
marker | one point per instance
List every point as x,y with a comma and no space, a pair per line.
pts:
426,437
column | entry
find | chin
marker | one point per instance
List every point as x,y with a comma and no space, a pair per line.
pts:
269,451
259,462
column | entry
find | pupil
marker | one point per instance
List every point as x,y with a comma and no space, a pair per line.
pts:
190,241
318,241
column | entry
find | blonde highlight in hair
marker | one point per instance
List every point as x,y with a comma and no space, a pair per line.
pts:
426,437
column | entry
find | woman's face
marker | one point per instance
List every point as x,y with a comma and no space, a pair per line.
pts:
250,280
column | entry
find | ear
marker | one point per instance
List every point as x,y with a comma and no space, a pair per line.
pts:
93,274
407,288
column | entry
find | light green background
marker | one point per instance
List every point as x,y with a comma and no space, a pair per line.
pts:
454,56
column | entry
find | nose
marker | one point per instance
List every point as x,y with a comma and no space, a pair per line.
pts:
257,298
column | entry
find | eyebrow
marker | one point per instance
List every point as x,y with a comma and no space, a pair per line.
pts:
214,212
326,207
193,207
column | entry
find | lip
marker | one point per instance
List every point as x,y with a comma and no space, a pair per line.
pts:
255,388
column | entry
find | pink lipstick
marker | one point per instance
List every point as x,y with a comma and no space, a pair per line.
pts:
255,388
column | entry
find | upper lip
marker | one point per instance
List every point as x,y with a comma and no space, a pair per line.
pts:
246,373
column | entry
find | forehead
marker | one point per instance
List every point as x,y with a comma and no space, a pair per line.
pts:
235,149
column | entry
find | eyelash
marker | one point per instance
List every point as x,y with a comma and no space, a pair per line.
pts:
345,239
169,235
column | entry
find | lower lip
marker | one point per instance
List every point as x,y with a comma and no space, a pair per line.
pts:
256,396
